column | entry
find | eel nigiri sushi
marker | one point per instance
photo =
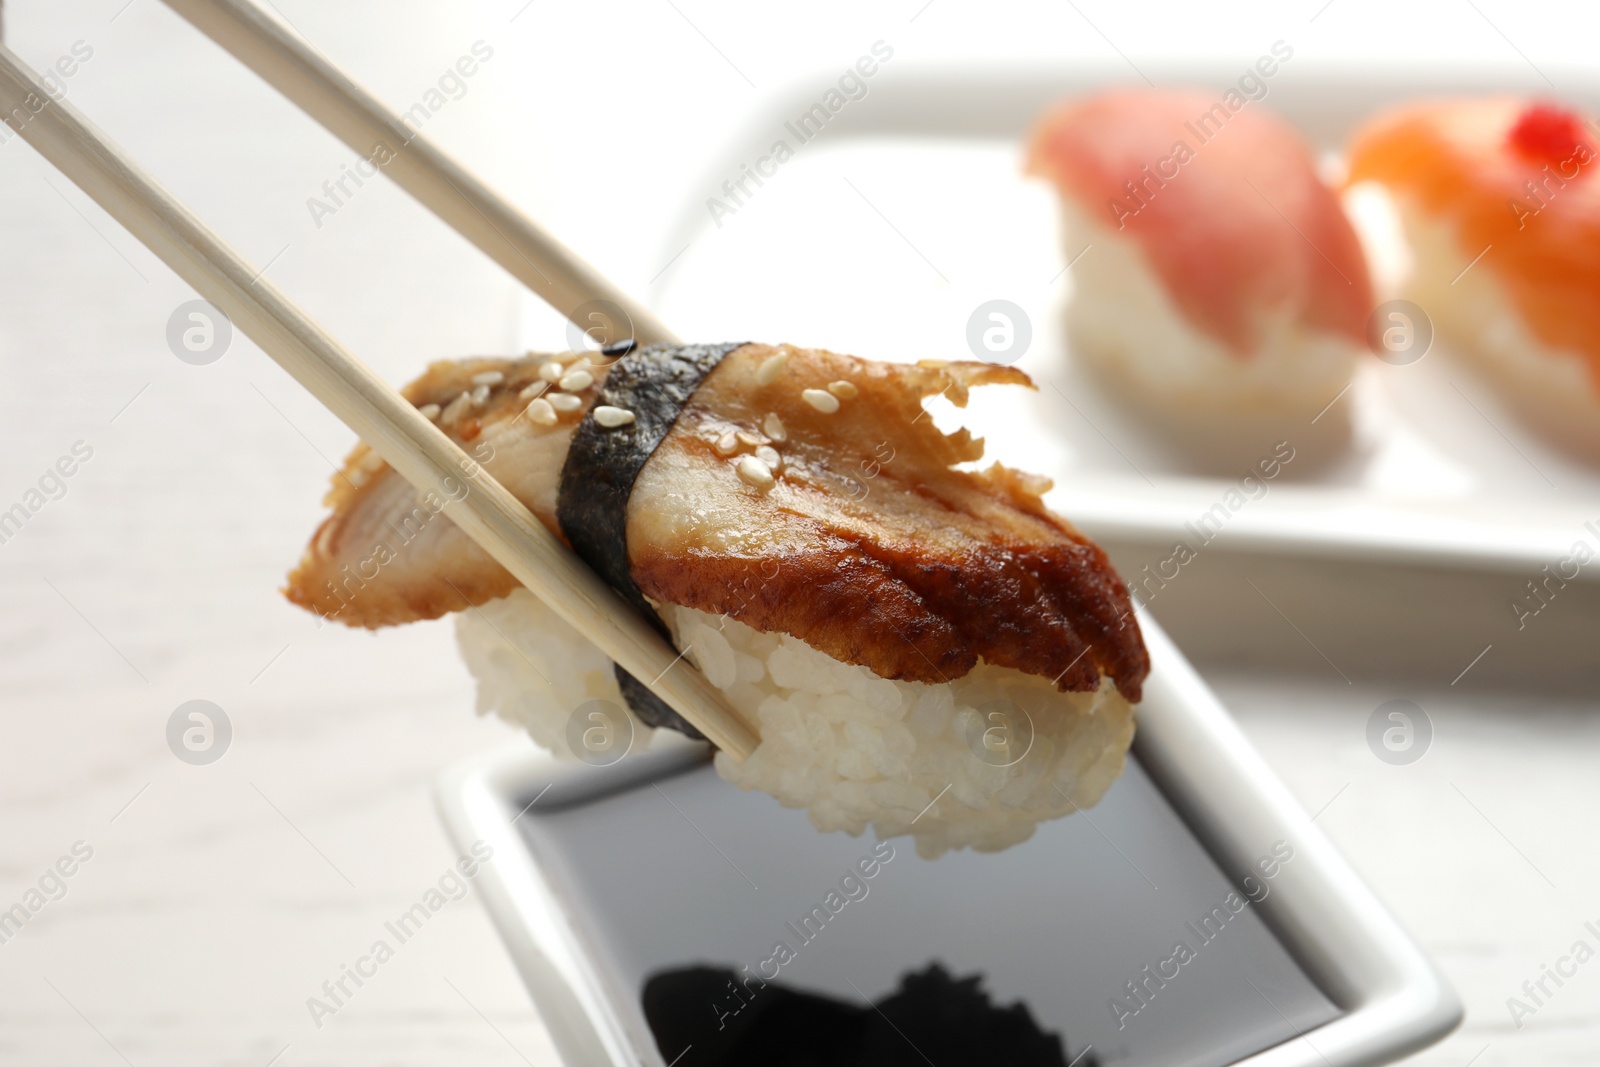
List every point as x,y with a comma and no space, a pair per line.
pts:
1502,214
922,648
1216,277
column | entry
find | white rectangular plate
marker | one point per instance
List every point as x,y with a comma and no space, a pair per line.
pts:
615,873
883,234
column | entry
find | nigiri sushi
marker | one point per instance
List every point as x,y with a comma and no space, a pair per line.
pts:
1217,283
1502,215
925,649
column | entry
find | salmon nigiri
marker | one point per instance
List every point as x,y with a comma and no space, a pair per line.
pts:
1503,218
1219,274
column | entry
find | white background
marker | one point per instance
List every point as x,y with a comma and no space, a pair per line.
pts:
221,897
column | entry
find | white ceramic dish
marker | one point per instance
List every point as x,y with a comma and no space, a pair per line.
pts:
598,883
884,233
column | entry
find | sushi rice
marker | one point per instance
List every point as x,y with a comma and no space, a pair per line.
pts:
975,763
1123,319
1552,388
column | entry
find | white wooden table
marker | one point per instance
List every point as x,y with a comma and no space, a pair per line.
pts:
219,898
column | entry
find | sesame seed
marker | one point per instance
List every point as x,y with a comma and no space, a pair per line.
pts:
754,472
540,413
488,377
551,372
533,390
611,417
844,390
749,440
456,408
429,411
564,401
770,368
576,381
773,427
769,455
826,403
619,348
479,395
728,443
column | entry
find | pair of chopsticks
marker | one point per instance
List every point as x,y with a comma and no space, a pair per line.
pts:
413,446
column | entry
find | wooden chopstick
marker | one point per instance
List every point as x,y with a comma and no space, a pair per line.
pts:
415,447
347,110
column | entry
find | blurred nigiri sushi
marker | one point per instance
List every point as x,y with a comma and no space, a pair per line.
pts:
1502,216
1216,279
923,648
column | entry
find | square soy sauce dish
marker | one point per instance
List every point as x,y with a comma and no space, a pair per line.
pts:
1194,917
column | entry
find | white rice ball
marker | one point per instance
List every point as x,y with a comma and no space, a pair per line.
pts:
1550,388
977,763
534,671
1123,320
1213,412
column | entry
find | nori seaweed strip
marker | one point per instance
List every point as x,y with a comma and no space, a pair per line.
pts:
601,466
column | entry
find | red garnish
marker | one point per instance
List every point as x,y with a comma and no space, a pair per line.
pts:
1547,133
